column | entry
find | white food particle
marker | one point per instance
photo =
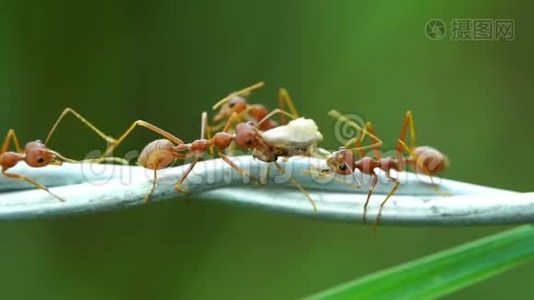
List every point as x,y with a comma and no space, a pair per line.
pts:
300,132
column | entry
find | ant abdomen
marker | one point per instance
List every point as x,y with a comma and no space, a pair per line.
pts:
9,159
157,155
258,112
430,158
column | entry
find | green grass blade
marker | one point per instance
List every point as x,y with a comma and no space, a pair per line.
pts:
444,272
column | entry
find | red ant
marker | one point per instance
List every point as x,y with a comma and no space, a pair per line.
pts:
37,155
423,159
236,102
160,154
299,137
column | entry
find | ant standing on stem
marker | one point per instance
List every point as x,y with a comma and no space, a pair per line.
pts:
236,102
161,153
37,155
296,138
423,159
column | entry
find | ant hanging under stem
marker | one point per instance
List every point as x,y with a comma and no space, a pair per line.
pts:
236,102
423,159
37,155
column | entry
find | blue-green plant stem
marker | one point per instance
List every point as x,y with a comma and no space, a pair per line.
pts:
91,188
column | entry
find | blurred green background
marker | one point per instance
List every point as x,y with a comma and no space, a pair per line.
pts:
166,61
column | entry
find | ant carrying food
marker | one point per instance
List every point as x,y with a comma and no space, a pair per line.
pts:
237,102
423,159
296,138
37,155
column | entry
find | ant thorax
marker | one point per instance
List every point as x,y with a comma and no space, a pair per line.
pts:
300,133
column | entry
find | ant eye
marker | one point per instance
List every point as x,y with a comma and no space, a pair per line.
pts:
232,104
343,167
248,142
40,160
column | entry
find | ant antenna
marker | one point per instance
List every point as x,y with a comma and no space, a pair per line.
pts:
244,92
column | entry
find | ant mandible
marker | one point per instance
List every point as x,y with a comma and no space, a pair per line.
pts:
423,159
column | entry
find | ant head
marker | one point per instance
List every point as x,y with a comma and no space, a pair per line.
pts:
429,160
340,162
237,104
38,155
246,135
234,104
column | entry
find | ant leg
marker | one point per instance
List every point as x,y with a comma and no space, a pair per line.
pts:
395,187
283,100
32,182
241,171
274,112
377,142
146,125
106,159
205,131
408,122
233,118
357,144
359,139
371,129
371,190
68,110
314,171
298,186
154,183
97,160
264,176
186,173
11,136
204,127
243,92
